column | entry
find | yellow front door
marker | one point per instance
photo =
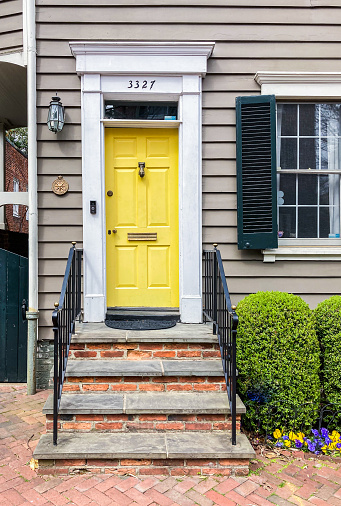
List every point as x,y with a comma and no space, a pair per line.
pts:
142,217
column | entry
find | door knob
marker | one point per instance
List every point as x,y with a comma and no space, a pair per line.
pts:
110,193
114,231
142,166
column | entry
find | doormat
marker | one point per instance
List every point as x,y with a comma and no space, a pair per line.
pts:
148,324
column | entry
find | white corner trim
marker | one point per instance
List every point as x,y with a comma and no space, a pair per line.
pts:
299,84
302,253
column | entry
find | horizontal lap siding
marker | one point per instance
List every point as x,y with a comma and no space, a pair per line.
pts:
297,35
11,26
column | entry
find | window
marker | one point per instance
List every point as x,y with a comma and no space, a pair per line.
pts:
289,174
141,110
308,170
16,189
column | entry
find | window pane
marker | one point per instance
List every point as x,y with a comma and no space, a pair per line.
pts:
307,222
330,154
307,190
140,110
330,119
287,222
288,153
309,119
329,222
309,153
287,119
287,184
330,189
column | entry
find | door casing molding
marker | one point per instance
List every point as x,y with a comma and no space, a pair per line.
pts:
105,70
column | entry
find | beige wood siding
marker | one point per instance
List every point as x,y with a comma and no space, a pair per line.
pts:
287,35
11,26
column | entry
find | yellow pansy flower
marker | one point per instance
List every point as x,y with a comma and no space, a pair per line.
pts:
335,436
292,436
287,442
277,434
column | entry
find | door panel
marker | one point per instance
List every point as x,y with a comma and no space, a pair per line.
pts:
142,272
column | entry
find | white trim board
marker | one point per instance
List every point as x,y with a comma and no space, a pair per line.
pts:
314,85
105,70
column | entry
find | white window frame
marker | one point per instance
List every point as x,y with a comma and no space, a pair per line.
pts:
297,87
16,188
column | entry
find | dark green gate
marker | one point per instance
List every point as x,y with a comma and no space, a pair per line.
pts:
13,329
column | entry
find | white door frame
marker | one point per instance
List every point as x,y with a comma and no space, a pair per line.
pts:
105,70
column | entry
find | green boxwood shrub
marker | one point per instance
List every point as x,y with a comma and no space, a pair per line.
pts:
328,327
278,360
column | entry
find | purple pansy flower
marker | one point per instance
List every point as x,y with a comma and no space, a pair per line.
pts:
324,432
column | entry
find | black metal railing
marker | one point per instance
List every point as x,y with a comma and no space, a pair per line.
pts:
64,316
218,309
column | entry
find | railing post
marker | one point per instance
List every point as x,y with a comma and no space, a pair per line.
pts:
79,283
55,372
234,324
214,290
73,282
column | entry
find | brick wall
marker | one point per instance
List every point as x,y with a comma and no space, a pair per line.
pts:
15,168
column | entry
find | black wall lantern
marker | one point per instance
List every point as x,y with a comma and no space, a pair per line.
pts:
56,115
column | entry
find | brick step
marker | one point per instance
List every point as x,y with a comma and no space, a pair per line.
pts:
143,351
144,375
141,423
102,384
143,412
193,453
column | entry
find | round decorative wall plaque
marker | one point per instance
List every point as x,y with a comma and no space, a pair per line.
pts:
60,186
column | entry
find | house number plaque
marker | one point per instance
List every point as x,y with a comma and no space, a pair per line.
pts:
60,186
144,85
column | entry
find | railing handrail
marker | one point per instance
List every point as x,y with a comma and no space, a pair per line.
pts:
217,302
66,278
223,280
64,316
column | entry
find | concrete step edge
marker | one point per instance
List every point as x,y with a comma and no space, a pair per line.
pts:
173,445
154,367
144,403
181,333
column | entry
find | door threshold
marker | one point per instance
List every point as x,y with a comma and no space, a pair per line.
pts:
140,313
143,308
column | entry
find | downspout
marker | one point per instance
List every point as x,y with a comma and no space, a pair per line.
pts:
32,313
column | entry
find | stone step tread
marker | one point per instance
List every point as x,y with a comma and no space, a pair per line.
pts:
173,445
181,333
97,368
146,403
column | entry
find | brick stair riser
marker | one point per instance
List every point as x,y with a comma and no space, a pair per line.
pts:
144,384
147,351
144,467
142,423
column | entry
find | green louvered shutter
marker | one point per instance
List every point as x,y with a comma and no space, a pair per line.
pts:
256,172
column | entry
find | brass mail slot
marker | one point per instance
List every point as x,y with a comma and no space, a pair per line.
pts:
142,236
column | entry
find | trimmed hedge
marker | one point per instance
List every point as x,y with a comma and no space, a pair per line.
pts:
328,327
278,361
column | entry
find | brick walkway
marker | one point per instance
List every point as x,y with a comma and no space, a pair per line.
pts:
283,481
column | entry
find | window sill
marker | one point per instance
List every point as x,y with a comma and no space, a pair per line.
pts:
320,253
